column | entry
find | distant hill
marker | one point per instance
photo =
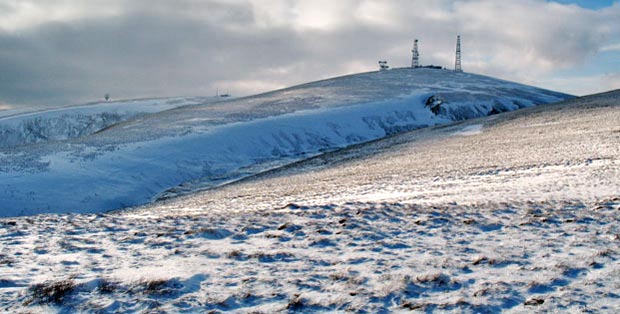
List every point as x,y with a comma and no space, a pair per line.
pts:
137,157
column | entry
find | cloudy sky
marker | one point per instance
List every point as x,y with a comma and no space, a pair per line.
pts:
61,52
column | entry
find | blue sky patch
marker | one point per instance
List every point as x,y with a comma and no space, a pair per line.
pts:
588,4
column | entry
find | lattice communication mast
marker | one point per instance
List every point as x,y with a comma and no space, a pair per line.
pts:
415,58
457,63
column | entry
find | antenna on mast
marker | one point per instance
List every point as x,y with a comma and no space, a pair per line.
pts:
457,63
383,66
415,58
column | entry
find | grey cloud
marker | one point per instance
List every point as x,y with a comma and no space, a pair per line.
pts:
133,55
165,48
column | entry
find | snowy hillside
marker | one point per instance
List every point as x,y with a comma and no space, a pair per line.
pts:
198,146
513,213
79,121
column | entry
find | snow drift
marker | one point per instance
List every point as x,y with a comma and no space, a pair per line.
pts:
201,145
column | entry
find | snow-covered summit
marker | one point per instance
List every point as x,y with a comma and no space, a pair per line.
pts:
147,156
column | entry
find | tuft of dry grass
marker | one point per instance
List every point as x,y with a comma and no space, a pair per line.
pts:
108,286
50,292
436,278
151,286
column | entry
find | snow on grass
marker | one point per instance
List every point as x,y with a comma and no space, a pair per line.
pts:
470,130
190,148
78,121
136,172
539,183
287,240
355,257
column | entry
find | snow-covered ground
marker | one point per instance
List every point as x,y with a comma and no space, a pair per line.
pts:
97,164
516,213
23,128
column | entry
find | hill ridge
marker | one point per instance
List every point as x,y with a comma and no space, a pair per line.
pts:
207,144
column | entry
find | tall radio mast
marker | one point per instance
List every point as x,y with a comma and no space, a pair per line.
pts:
415,59
457,63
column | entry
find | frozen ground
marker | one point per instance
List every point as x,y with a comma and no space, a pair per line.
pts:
69,161
517,212
24,128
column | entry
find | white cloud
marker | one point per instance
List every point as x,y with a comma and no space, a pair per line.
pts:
321,15
582,85
277,14
611,47
17,15
179,47
245,86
